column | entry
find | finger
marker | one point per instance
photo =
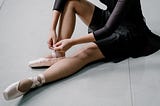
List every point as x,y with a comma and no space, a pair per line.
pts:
58,44
50,46
60,48
50,42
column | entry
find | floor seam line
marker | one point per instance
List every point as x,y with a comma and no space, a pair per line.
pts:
130,83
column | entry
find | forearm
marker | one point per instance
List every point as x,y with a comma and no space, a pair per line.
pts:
65,44
84,39
56,14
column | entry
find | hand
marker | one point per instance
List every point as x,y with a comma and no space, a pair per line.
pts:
52,39
63,45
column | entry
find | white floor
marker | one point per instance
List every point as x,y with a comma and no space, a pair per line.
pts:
24,28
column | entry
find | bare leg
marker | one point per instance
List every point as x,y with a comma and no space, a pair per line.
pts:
82,8
70,65
85,10
67,66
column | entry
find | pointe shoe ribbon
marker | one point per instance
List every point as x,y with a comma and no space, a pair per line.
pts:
12,92
36,83
56,54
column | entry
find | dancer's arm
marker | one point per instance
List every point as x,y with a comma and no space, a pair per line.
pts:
65,44
118,13
52,35
57,9
84,39
55,18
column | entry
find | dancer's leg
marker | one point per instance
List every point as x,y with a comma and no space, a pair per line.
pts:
67,66
70,65
82,8
61,69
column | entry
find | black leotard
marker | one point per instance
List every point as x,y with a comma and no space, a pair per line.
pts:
59,5
126,12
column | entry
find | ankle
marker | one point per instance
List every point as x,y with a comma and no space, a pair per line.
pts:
56,54
25,85
39,79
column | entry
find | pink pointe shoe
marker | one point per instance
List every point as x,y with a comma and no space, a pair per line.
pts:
12,92
44,62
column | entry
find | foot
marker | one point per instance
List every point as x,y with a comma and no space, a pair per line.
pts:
17,89
53,55
25,85
44,62
21,87
56,54
48,60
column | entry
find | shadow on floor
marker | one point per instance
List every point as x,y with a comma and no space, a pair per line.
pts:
31,94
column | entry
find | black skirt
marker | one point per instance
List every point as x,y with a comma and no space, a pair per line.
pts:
125,42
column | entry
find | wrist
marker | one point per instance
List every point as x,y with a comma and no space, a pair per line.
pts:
73,41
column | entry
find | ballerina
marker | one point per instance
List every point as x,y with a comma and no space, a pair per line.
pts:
117,33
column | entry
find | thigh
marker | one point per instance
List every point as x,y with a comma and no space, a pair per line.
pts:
89,52
84,10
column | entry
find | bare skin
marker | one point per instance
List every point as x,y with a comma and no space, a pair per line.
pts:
62,67
80,7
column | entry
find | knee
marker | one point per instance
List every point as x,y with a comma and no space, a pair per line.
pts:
85,54
72,4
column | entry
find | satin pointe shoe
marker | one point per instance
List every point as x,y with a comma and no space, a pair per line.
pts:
12,92
41,62
56,54
44,62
